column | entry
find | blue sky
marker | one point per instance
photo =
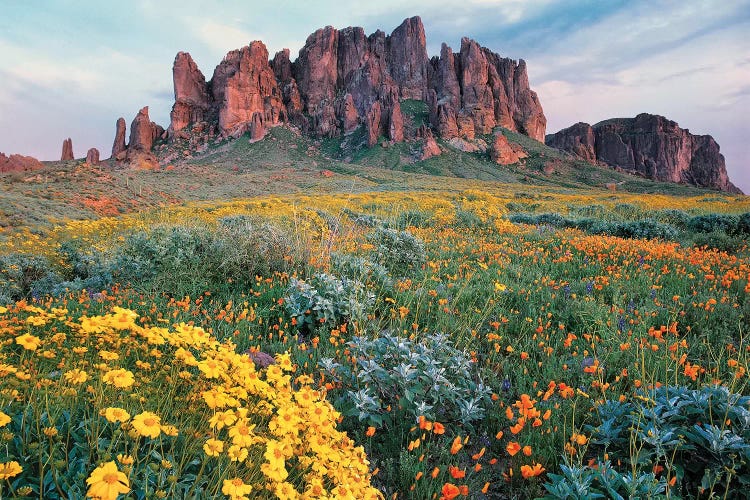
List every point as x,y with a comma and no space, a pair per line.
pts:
70,68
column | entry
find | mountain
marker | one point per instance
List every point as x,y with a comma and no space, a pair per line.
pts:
648,145
343,80
458,114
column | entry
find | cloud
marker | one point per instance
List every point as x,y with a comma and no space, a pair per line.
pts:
216,35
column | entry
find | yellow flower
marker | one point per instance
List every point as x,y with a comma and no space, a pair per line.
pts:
4,419
29,342
106,482
6,369
170,430
236,453
50,431
285,362
76,376
242,434
147,424
36,321
109,355
3,310
286,490
114,414
222,419
213,447
236,488
119,378
212,368
9,470
125,459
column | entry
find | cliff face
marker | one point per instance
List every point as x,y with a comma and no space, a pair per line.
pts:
343,79
650,145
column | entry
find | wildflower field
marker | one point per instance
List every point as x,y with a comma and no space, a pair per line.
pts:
501,343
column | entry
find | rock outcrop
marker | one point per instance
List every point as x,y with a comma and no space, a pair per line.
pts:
652,146
18,163
407,59
430,147
477,90
192,99
501,151
118,147
67,150
92,156
577,139
143,133
343,79
244,84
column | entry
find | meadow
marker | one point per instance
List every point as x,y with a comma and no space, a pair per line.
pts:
506,342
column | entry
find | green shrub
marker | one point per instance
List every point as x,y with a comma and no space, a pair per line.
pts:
363,270
718,240
713,222
743,224
414,378
701,436
402,253
602,481
677,218
24,276
326,300
415,218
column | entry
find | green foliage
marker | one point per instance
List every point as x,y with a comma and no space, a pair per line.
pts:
326,300
415,218
639,229
428,378
602,481
363,270
718,240
402,253
713,222
23,276
701,436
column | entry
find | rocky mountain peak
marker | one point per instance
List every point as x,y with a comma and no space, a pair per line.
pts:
649,145
339,75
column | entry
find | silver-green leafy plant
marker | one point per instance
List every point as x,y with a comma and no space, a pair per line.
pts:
396,380
327,300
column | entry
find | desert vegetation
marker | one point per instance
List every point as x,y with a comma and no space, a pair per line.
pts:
508,342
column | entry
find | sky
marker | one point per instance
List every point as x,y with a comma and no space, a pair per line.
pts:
70,68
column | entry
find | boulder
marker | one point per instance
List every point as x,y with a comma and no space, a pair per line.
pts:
395,120
347,113
142,132
373,123
479,85
67,150
430,147
317,70
257,130
501,151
